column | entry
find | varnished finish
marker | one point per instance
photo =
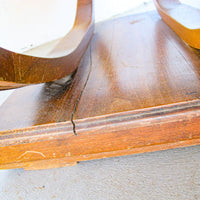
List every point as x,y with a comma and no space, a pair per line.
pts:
125,98
183,19
61,59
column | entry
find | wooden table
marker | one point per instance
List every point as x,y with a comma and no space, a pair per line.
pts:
136,90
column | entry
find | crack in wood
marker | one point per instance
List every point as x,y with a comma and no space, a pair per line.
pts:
80,95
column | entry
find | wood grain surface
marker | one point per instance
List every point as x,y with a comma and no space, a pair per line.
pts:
136,90
182,18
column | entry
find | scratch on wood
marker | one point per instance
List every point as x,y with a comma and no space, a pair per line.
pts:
136,21
30,67
43,74
34,152
124,64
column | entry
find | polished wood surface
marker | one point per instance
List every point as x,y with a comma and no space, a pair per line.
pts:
132,93
182,18
51,61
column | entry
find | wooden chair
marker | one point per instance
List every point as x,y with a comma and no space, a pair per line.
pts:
51,61
183,19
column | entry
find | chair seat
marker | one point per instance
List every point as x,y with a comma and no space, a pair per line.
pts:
51,61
